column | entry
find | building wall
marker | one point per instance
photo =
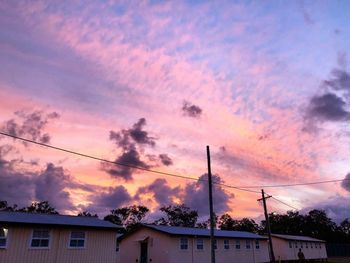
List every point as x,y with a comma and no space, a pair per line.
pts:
282,249
99,247
164,248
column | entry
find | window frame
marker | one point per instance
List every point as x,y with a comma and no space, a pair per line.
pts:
238,244
257,244
5,237
77,239
226,244
198,240
182,245
247,242
40,238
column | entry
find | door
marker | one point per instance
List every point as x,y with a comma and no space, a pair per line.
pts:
143,256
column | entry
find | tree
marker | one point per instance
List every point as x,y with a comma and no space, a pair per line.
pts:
226,222
87,214
206,223
129,216
5,207
345,226
247,224
178,215
39,207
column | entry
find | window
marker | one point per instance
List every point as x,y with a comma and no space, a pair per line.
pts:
306,245
77,239
247,244
215,244
200,244
3,237
40,238
257,245
238,244
320,245
226,244
301,244
290,244
311,245
183,243
296,244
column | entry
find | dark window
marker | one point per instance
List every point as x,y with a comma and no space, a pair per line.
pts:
3,237
183,243
40,238
226,244
77,239
238,244
200,244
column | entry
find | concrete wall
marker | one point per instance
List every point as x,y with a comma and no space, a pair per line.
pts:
99,247
312,251
163,248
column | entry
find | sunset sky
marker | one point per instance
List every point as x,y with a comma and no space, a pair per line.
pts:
266,84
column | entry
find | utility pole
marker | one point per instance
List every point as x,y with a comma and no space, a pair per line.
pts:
268,228
211,209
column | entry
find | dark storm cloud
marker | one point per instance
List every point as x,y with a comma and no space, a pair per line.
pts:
191,110
130,158
340,80
51,185
21,187
328,107
165,159
161,191
196,196
135,135
113,198
334,101
31,126
131,142
346,182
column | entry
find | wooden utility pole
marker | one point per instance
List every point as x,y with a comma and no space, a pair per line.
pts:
272,255
211,209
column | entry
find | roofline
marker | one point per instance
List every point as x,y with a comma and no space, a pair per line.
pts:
294,239
172,234
10,223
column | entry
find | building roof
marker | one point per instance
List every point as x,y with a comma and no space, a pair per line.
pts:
297,238
189,231
54,220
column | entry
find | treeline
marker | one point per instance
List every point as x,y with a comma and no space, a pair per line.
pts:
315,223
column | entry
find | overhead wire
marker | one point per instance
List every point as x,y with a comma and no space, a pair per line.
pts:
282,202
296,184
122,164
245,188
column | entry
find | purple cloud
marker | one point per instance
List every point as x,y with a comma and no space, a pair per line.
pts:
165,159
196,196
162,192
346,182
31,126
113,198
191,110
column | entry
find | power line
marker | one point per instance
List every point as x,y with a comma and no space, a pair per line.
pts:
296,184
123,164
282,202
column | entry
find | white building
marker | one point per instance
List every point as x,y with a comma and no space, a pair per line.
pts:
286,247
167,244
42,238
